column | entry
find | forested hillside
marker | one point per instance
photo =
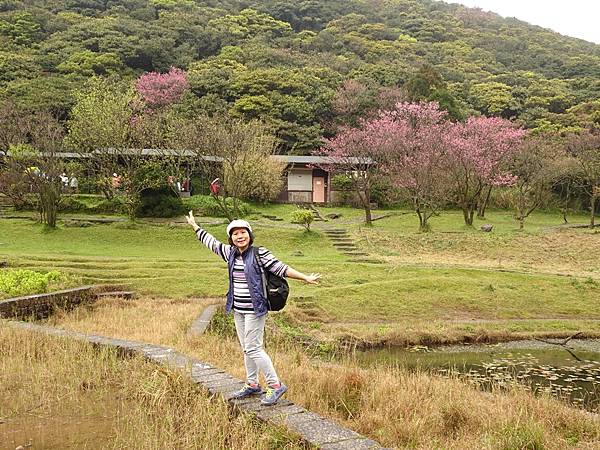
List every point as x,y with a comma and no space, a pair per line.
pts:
304,66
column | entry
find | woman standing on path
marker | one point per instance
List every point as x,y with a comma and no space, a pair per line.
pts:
247,300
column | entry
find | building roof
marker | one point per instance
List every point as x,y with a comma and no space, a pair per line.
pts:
288,159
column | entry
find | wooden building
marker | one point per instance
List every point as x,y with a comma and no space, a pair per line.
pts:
305,181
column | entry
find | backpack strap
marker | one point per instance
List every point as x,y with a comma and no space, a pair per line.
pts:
262,272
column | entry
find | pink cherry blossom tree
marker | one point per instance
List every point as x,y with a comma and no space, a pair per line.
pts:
412,151
162,89
478,150
353,152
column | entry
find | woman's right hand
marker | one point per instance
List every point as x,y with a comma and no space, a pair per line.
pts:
191,220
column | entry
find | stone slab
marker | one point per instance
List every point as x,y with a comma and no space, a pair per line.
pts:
317,431
280,410
352,444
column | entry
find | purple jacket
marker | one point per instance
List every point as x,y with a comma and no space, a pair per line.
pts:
253,278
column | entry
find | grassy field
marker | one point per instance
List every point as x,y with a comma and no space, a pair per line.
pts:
451,285
399,408
59,394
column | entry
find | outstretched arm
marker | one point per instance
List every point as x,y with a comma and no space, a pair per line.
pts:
310,279
208,239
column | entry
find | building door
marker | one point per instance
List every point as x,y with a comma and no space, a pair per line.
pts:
318,190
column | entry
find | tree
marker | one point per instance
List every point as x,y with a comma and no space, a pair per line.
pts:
160,94
110,131
13,180
239,152
585,149
33,142
354,151
534,167
303,217
566,183
157,89
412,152
478,150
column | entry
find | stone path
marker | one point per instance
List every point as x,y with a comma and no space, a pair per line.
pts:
312,428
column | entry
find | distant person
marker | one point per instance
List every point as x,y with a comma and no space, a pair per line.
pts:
115,181
246,298
64,181
74,184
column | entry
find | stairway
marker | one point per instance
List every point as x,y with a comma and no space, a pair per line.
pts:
343,243
6,207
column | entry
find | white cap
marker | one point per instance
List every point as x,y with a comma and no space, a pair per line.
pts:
238,223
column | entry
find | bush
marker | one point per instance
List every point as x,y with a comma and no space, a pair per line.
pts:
71,204
161,202
14,283
113,206
303,217
208,206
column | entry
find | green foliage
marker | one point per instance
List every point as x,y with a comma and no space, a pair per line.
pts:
522,437
161,202
303,217
71,204
341,182
14,283
206,205
222,324
114,205
282,61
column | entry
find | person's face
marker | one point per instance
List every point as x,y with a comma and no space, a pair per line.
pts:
240,238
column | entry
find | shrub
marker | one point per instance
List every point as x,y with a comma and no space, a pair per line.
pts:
71,204
303,217
207,206
14,283
162,202
113,206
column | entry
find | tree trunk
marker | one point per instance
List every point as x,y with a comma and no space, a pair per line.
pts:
48,198
593,208
566,208
423,224
483,205
368,218
521,223
131,204
365,198
468,213
222,203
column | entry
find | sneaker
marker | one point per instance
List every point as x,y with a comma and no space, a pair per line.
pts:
273,394
247,391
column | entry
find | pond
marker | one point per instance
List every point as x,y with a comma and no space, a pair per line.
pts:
571,373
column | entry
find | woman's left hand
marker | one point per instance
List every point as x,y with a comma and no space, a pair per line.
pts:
312,278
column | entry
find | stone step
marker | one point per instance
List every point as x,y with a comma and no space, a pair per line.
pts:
343,246
120,294
366,261
355,253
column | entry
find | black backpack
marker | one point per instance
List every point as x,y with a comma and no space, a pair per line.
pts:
277,288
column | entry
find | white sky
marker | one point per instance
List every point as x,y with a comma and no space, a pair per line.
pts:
576,18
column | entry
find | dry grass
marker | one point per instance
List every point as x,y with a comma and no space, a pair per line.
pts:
398,408
56,393
164,321
560,251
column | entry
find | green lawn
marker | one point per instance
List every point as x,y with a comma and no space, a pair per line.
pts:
454,283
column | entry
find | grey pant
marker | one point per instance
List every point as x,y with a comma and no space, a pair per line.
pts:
250,330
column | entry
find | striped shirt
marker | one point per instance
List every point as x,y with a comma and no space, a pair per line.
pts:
242,301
